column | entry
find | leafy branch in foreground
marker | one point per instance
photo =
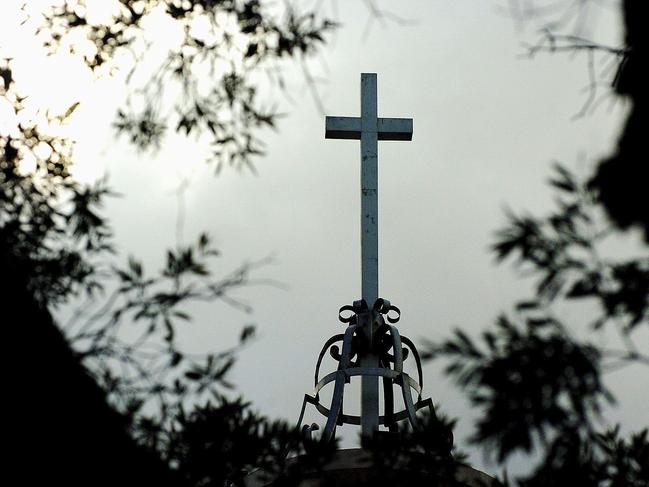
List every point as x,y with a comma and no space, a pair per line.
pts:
51,227
128,339
540,388
407,456
222,441
568,27
604,63
602,459
233,42
566,251
532,382
565,27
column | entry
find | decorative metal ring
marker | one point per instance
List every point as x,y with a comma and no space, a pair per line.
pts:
420,373
396,346
347,319
401,378
356,420
384,307
381,305
396,318
380,317
330,342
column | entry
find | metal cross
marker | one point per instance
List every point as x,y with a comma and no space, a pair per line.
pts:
369,128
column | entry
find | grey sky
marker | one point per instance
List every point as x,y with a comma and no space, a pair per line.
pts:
487,125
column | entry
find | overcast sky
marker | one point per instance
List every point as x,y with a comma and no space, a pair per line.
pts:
488,123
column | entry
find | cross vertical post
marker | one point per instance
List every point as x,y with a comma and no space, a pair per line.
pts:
369,245
369,128
369,190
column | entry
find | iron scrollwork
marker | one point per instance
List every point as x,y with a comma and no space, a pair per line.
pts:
371,328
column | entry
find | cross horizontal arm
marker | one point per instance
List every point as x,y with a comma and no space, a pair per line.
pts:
342,128
394,128
351,128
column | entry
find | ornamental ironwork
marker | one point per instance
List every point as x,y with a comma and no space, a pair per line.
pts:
370,331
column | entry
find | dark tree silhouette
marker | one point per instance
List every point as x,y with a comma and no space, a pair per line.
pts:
537,386
64,430
565,28
95,407
619,179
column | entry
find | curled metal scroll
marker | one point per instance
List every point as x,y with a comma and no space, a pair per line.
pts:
392,350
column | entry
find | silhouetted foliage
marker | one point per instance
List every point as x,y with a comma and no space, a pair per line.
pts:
531,382
565,26
62,429
619,180
233,41
412,456
223,441
146,368
56,246
50,224
538,386
594,460
564,250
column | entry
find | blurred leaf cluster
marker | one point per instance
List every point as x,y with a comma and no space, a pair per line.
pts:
50,224
531,381
536,380
128,338
595,460
56,243
231,42
565,251
409,456
538,385
222,442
